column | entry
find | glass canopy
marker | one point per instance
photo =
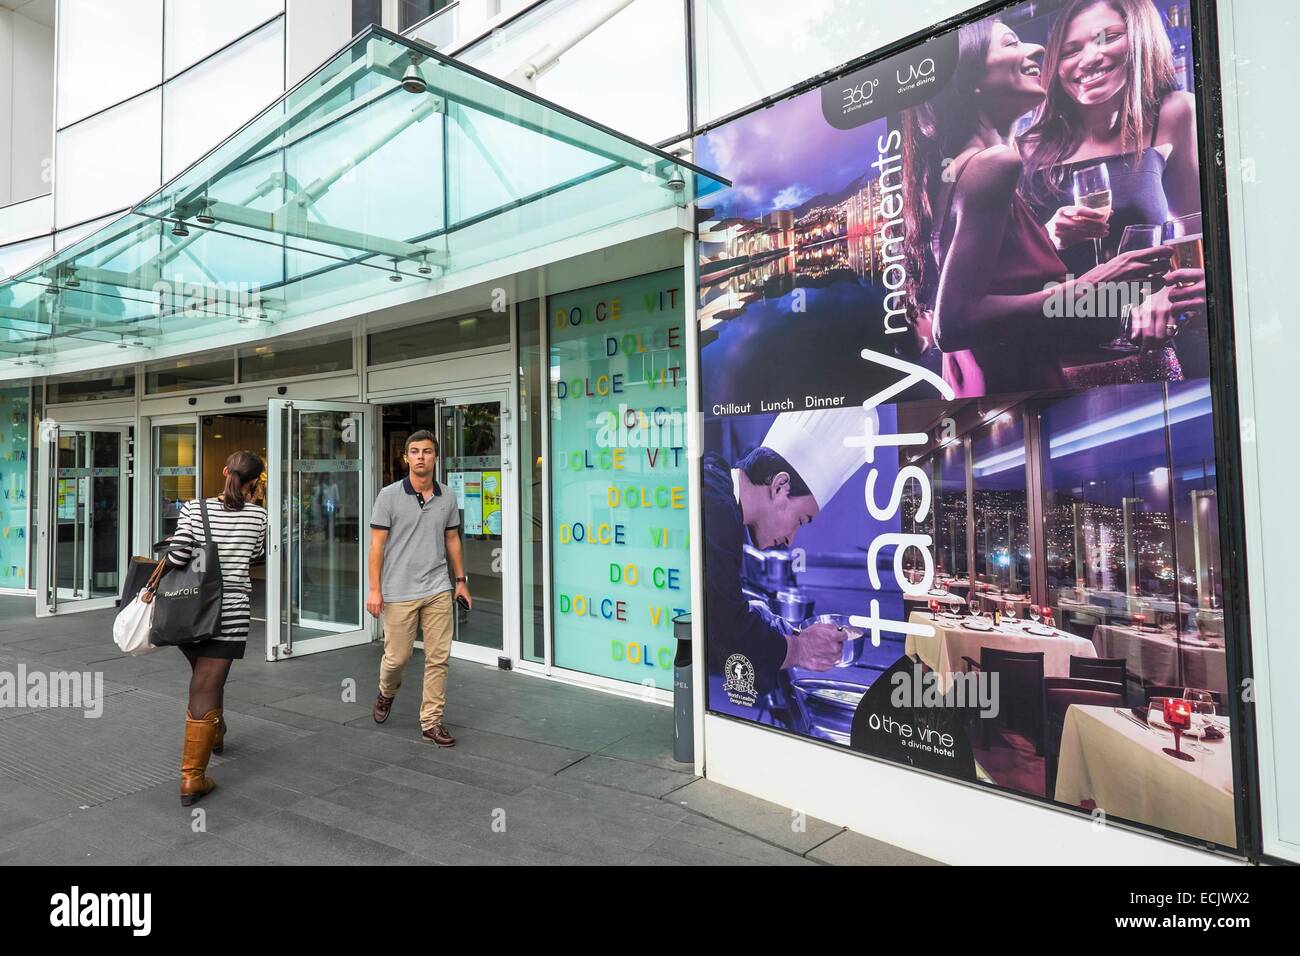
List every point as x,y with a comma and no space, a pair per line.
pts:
390,164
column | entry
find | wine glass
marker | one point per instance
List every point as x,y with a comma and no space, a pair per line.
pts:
1186,240
1092,189
1203,706
1010,612
934,609
1140,236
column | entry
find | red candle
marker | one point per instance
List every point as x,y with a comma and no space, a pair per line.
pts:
1178,713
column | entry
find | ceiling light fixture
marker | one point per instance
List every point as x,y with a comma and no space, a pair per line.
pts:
412,81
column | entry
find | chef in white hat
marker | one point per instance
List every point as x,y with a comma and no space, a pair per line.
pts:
767,496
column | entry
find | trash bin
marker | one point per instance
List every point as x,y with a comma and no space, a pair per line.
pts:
683,693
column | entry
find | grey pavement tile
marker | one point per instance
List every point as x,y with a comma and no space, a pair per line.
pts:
772,822
303,779
711,846
463,771
291,838
625,775
855,849
652,747
28,796
624,800
323,704
453,797
15,819
421,834
54,847
213,851
366,740
286,717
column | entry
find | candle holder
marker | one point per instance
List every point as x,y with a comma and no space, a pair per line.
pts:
1178,715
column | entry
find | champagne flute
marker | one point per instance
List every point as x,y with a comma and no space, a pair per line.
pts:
1140,236
1092,189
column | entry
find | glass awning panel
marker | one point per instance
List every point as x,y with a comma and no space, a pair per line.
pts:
390,164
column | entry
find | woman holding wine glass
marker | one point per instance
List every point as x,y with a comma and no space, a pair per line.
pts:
980,266
1113,145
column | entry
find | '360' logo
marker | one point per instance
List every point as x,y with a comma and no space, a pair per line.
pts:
859,94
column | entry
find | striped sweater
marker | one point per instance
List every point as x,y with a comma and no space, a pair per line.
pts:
240,537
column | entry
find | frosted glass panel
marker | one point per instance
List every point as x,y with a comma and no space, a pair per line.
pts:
629,73
211,101
195,28
68,236
109,161
748,49
26,219
107,53
16,257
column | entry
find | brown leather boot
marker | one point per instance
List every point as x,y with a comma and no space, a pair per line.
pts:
199,736
219,744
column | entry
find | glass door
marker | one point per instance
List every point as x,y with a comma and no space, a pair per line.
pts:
175,470
82,519
320,486
471,440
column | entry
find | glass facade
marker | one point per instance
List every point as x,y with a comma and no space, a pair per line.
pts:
532,488
92,72
440,337
250,74
644,40
195,29
286,359
107,162
15,475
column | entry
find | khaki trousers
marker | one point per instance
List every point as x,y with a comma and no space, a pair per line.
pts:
433,616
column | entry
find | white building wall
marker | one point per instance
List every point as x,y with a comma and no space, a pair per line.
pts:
1258,41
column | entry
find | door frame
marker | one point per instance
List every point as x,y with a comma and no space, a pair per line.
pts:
277,411
500,390
47,599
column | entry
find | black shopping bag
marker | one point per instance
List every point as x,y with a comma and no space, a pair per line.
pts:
187,607
138,571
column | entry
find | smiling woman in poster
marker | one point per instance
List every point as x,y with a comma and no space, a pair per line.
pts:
979,261
1112,98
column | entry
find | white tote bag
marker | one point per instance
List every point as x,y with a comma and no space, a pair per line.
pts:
131,627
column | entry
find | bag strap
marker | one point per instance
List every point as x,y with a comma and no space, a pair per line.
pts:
151,586
207,529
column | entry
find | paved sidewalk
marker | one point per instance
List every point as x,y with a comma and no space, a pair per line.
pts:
542,773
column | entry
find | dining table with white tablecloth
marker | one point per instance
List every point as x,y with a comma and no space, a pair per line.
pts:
953,638
1152,655
1117,762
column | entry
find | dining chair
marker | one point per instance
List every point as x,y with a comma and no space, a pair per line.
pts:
1114,669
1020,694
1059,694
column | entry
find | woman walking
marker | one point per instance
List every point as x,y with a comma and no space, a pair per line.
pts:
239,529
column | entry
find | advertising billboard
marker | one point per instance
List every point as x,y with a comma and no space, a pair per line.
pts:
959,474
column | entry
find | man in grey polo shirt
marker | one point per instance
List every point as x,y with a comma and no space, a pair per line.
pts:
414,537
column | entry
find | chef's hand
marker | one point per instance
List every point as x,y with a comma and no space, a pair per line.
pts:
816,648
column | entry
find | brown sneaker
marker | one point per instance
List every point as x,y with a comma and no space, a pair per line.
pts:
382,706
440,736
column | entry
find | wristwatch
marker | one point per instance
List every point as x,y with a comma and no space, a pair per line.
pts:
463,579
